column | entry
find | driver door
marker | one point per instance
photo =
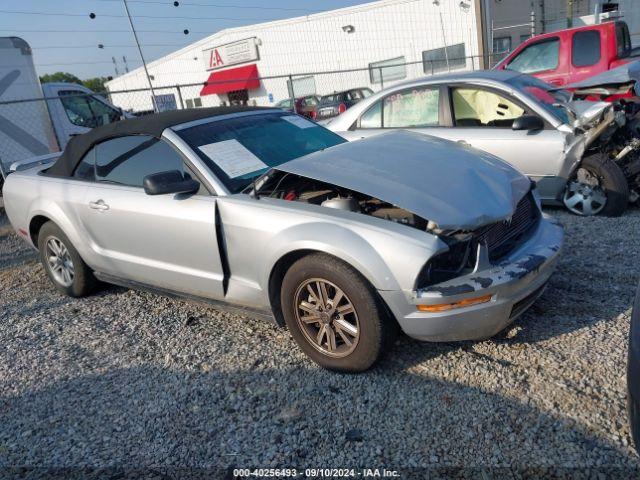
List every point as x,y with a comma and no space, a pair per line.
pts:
166,241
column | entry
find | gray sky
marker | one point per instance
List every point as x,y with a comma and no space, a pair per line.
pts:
64,38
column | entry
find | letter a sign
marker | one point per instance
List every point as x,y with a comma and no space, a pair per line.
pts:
221,56
215,60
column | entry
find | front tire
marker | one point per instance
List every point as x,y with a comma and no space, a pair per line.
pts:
62,262
598,187
334,315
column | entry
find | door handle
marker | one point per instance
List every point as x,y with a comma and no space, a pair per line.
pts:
99,205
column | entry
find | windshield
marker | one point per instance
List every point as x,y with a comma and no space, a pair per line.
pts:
544,94
328,99
238,150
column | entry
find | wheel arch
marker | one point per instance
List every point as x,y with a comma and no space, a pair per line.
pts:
35,224
282,265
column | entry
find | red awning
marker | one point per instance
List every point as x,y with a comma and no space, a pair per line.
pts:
241,78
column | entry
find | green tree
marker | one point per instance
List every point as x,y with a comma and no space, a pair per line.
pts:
96,84
60,77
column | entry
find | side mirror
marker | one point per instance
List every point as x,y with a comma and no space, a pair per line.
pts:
528,122
173,181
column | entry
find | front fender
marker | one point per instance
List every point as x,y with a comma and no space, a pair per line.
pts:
385,260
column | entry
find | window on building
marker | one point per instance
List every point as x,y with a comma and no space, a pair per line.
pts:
189,102
86,110
388,70
537,57
301,87
585,49
475,107
127,160
197,102
444,59
501,44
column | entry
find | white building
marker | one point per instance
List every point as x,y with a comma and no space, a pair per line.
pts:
382,42
367,37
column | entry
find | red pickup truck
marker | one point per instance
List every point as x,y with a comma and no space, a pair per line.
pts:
572,55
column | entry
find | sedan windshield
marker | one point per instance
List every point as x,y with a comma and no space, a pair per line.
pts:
544,94
240,149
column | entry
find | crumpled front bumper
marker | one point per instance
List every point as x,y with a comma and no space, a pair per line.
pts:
514,284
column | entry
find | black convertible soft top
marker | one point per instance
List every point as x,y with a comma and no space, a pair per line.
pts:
149,125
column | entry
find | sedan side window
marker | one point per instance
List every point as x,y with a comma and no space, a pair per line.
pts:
539,57
474,107
372,118
127,160
413,108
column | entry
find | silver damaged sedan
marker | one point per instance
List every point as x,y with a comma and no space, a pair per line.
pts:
270,214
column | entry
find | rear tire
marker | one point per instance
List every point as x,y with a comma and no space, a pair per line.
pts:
62,262
598,187
334,315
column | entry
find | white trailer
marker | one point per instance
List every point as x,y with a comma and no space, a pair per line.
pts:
36,119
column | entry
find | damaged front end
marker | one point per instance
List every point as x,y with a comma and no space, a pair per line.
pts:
618,139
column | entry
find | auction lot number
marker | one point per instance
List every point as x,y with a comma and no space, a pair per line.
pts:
315,473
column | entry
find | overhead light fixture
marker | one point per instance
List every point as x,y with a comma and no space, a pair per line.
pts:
464,6
348,29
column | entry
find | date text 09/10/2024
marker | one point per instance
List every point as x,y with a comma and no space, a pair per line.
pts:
316,473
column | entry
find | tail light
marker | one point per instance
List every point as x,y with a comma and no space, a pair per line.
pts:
342,108
314,114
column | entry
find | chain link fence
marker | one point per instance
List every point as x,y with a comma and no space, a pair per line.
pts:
36,126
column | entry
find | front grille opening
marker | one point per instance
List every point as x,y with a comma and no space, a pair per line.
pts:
503,237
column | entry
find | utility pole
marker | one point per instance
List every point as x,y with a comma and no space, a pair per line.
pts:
115,66
144,64
569,13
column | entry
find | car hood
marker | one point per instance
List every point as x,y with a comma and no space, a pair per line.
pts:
455,186
624,74
589,113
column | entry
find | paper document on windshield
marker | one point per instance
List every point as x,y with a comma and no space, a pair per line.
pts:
299,121
233,158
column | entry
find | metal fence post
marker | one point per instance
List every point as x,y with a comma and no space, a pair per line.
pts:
381,79
292,95
180,97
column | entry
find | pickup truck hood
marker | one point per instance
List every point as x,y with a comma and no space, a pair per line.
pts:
455,186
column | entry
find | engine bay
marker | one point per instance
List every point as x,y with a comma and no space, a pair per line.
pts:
294,188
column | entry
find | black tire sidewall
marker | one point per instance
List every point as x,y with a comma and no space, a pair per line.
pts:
373,331
613,182
83,280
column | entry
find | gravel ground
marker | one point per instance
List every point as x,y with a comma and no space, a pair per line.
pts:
132,379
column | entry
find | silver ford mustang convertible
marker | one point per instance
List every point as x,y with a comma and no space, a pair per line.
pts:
267,212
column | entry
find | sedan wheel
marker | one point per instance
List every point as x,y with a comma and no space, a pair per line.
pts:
59,261
585,195
327,317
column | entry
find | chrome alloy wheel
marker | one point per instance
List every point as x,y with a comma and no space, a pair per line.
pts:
584,195
326,317
59,261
